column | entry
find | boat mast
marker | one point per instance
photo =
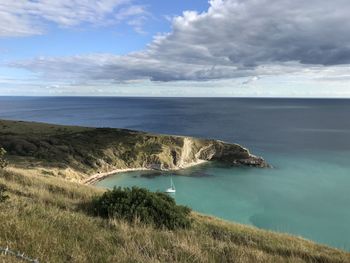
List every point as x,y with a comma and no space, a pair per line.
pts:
172,183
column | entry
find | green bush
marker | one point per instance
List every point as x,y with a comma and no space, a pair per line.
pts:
157,209
3,196
3,162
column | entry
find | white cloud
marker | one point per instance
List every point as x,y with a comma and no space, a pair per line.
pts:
27,17
233,39
136,16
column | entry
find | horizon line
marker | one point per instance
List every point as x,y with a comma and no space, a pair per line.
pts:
179,97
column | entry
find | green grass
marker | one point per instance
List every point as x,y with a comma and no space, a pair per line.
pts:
43,218
84,150
76,152
25,128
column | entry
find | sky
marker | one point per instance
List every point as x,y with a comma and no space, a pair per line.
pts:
220,48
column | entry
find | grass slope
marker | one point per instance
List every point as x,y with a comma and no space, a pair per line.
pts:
44,220
76,152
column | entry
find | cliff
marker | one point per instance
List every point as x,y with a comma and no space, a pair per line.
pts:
79,152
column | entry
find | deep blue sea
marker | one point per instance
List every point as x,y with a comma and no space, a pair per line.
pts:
307,193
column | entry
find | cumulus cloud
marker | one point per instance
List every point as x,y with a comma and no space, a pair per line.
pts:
234,38
27,17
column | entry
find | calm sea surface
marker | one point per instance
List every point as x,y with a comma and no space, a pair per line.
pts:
307,141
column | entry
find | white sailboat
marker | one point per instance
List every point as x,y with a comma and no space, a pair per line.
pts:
172,189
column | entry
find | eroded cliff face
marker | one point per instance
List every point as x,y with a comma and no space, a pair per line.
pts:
194,151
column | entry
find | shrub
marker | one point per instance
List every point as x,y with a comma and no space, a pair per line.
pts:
157,209
3,162
3,196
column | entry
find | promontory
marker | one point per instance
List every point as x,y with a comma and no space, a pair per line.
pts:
89,154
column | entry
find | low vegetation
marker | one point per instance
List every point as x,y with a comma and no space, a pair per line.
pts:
76,153
44,219
53,220
138,204
59,150
3,162
3,195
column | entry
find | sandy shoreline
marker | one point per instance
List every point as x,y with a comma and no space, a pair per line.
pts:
100,176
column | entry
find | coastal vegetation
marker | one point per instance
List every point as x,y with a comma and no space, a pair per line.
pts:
75,153
45,219
3,195
52,219
138,204
3,162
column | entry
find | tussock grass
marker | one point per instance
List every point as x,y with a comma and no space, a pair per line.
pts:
43,219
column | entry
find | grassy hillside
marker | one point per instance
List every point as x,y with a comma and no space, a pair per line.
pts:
77,152
46,217
43,219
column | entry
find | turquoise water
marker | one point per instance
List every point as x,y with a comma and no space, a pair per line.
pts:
306,195
306,140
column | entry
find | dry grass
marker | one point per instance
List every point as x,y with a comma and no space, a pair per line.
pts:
44,220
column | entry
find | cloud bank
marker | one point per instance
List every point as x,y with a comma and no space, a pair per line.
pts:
233,39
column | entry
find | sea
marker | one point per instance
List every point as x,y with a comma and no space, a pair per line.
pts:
307,141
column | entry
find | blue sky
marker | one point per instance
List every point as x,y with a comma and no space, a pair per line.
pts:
175,48
116,39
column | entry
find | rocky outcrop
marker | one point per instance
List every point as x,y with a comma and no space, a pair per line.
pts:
192,151
214,150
